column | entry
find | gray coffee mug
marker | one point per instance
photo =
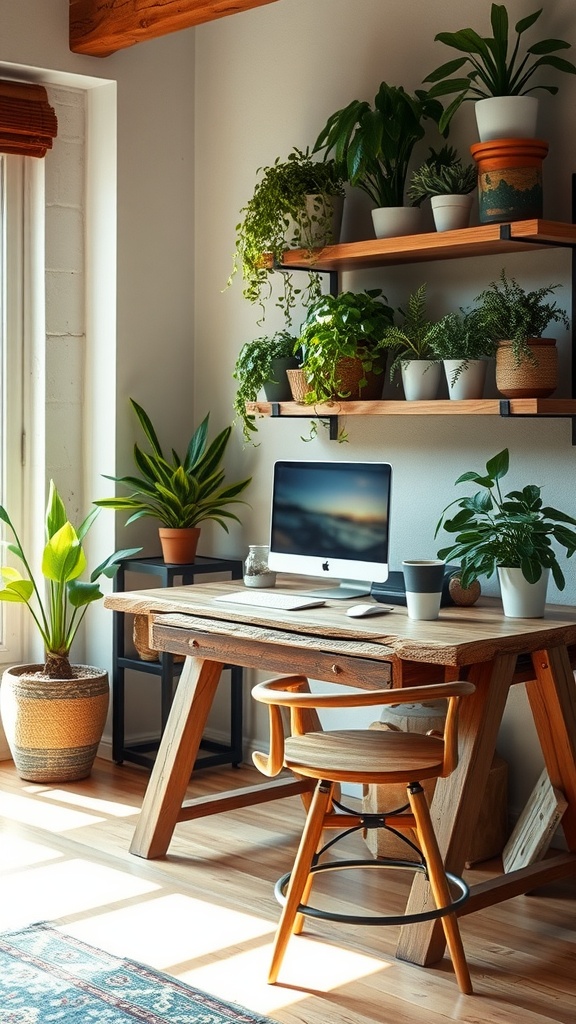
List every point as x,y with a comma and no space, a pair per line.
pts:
423,579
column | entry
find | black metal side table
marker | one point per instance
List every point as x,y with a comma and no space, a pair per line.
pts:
144,753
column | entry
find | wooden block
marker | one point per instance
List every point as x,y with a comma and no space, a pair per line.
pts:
536,825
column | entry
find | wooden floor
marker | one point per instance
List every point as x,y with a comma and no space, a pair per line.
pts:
206,913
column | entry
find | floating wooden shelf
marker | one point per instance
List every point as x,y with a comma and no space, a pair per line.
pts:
551,407
485,240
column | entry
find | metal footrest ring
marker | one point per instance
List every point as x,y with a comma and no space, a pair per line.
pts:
395,919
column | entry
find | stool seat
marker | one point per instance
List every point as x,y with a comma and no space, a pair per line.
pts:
365,756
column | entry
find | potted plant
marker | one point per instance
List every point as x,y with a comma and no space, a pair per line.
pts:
54,714
411,343
461,340
448,184
375,143
497,70
181,493
262,363
341,347
510,533
526,363
296,203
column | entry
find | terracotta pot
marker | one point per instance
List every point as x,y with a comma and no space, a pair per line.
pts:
509,179
528,379
179,546
54,726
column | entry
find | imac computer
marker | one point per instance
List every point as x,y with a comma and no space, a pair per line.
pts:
331,520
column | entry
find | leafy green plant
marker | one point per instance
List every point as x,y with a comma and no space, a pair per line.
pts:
462,335
348,325
375,143
278,206
495,66
514,530
178,492
58,613
254,369
510,313
442,174
411,339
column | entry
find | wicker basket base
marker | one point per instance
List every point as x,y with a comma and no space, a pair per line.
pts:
528,380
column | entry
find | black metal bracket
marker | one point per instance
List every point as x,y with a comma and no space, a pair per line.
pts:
333,427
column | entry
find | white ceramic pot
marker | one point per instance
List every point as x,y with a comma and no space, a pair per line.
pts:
520,599
420,378
451,212
320,223
395,221
470,381
507,117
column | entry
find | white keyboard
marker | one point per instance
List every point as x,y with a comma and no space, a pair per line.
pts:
270,599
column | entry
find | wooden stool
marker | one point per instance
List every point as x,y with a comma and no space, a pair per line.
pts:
362,756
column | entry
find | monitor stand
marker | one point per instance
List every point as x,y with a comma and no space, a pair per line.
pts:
345,590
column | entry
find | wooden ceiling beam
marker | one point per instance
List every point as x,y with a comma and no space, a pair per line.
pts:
100,27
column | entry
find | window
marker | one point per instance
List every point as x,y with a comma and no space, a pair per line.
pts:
11,374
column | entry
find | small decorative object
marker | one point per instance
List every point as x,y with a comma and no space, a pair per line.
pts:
293,206
366,139
504,532
180,493
496,69
463,343
341,343
262,363
448,184
256,571
526,363
54,714
509,179
412,349
464,597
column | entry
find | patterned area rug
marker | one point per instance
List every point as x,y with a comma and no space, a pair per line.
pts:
46,976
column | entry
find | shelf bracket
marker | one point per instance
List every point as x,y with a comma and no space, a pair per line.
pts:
505,407
332,421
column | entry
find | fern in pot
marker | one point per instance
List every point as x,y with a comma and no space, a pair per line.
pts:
512,534
410,341
262,364
448,184
515,318
461,340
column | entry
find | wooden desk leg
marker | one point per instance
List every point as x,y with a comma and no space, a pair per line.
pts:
552,698
456,802
178,750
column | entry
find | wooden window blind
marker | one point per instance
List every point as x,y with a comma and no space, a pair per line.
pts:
28,123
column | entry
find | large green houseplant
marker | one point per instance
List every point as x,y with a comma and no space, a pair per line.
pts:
516,318
341,345
54,713
262,363
375,142
495,531
280,215
494,65
180,492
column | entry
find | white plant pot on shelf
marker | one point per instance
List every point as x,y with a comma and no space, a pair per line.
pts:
521,599
420,378
395,221
469,382
451,212
507,117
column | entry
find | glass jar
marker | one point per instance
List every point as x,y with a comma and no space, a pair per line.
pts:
256,571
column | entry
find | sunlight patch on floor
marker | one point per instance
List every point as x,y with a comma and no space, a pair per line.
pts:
67,887
50,816
309,966
21,853
116,810
189,928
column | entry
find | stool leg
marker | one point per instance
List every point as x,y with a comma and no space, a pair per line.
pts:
439,885
299,879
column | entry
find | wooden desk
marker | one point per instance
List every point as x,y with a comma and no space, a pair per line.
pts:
477,643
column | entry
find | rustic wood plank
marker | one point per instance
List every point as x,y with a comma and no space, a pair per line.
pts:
435,407
535,827
100,27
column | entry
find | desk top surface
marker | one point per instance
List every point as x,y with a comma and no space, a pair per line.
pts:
459,636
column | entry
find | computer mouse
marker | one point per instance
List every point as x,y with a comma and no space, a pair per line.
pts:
359,611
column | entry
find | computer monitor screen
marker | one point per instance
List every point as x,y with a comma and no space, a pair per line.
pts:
331,520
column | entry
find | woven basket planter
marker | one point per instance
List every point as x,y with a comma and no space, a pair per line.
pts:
349,373
537,379
53,726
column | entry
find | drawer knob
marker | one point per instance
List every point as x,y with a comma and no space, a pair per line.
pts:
193,643
336,670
